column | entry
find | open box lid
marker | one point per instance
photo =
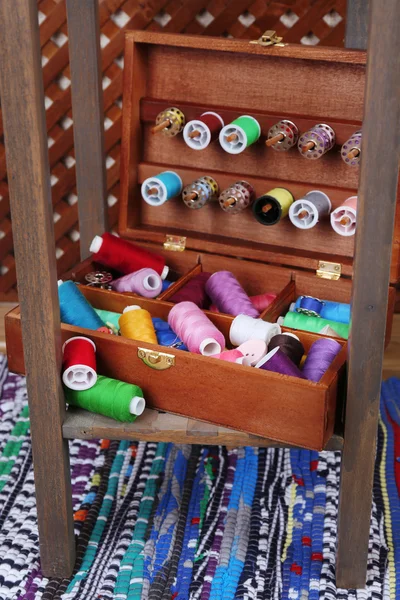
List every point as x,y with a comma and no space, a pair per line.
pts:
307,85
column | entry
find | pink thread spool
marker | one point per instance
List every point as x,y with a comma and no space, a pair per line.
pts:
234,355
145,282
227,294
344,217
262,301
195,329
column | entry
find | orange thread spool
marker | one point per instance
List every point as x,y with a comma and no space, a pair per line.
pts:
135,323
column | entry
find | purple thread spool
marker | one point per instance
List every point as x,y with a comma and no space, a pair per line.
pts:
145,282
227,294
277,362
323,138
193,291
352,144
320,358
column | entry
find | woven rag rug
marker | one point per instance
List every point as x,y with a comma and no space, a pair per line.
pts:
164,522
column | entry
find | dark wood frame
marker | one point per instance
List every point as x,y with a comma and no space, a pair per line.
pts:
29,181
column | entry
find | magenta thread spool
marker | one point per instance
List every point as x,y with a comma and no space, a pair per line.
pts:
317,141
344,217
319,358
306,212
351,150
193,291
282,136
195,329
200,192
236,197
290,345
277,362
227,294
234,355
145,282
199,133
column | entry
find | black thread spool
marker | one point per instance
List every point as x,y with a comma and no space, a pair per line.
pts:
273,206
290,345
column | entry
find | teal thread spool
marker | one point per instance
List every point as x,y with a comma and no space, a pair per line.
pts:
240,134
75,309
115,399
296,320
160,188
109,318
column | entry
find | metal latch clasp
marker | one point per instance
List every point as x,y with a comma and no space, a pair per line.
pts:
156,360
329,270
175,243
269,38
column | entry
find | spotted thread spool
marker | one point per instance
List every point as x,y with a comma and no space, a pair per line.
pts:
198,133
145,282
225,291
195,329
99,279
246,328
236,197
277,361
135,323
344,217
115,399
240,134
160,188
319,358
295,320
273,206
75,309
351,150
282,136
317,141
333,311
169,122
201,191
306,212
290,345
79,363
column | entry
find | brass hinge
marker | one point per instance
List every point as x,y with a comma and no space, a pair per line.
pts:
269,38
328,270
175,243
156,360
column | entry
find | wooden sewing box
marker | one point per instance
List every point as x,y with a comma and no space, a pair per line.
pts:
307,85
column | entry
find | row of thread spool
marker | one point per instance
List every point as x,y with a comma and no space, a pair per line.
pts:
268,209
244,131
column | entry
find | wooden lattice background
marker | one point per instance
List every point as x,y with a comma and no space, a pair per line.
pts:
305,21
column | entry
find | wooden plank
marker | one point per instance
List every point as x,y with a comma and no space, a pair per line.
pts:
30,200
379,175
357,24
88,116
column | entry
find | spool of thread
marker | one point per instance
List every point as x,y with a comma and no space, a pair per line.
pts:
169,122
290,345
111,398
165,335
317,141
236,197
111,251
160,188
194,291
351,150
333,311
195,329
246,328
314,324
306,212
198,133
253,351
319,358
278,362
262,301
75,309
282,136
273,206
135,323
227,294
109,318
344,217
145,282
234,355
166,284
310,306
200,192
79,363
240,134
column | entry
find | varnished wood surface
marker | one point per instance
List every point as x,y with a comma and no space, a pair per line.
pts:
23,115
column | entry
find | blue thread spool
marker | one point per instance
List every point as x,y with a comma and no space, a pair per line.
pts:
332,311
75,309
165,335
310,306
166,284
160,188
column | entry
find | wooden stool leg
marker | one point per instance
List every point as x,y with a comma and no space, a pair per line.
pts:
22,100
370,290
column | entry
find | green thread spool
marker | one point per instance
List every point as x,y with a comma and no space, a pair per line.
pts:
296,320
111,398
240,134
109,318
273,206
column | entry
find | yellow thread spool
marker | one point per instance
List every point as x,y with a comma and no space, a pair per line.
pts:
279,201
135,323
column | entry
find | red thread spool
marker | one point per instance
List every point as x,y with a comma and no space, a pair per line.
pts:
111,251
79,363
199,132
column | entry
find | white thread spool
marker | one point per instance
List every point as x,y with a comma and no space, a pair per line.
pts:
246,328
202,128
344,217
306,212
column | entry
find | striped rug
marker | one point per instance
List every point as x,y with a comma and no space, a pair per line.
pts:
168,522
